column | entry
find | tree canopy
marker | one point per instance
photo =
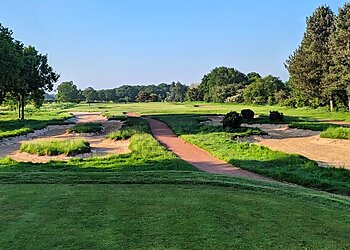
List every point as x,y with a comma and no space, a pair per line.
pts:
221,77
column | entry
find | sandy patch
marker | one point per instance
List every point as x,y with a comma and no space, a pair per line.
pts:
327,152
99,144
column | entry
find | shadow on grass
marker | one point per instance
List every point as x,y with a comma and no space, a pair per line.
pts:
300,170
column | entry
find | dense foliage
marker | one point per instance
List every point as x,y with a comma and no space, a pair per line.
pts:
232,120
247,114
276,116
25,74
319,68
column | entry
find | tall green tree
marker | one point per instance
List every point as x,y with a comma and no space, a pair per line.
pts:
219,77
177,92
10,62
36,77
338,80
68,92
90,95
309,65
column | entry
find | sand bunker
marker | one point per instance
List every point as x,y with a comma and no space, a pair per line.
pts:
99,144
327,152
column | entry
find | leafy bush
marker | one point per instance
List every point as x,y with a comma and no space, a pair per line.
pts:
276,116
336,133
232,120
89,127
56,147
247,114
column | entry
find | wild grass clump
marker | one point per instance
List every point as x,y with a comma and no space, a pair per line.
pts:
130,127
56,147
89,127
336,133
314,126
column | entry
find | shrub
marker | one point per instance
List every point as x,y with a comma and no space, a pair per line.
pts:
276,116
247,114
89,127
232,120
56,147
336,133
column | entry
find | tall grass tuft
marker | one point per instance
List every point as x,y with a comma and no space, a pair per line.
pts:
131,127
89,127
56,147
336,133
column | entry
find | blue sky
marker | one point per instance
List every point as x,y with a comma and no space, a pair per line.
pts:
106,43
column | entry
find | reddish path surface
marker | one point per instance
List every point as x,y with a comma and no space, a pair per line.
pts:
194,155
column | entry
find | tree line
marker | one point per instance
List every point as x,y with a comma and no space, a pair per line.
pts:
174,92
320,67
25,74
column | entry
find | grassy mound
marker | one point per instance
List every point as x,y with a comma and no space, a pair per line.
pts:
336,133
89,127
132,126
314,126
170,210
67,147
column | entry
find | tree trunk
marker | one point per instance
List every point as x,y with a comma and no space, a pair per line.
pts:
19,106
22,106
331,104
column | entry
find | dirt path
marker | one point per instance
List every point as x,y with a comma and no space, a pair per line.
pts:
99,144
194,155
327,152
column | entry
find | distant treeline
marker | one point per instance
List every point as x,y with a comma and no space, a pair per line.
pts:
220,85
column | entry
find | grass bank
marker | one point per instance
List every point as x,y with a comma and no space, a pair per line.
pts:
336,133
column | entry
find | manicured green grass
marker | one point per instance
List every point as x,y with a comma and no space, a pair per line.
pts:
88,127
56,147
336,133
258,159
291,114
314,126
174,210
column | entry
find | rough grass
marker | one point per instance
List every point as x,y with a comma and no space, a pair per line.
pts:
174,210
35,119
146,154
314,126
56,147
88,127
336,133
130,127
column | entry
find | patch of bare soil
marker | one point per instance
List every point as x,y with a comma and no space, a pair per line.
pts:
99,144
327,152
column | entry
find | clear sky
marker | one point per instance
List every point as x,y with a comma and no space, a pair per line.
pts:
107,43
